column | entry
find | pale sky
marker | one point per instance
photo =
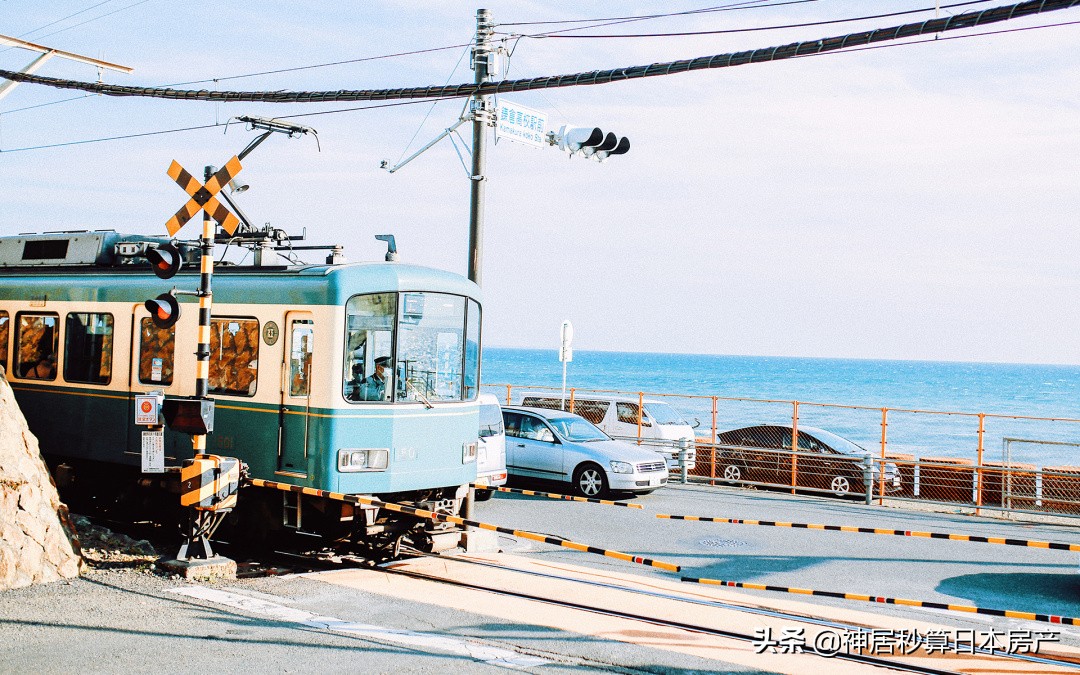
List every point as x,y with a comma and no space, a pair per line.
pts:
909,202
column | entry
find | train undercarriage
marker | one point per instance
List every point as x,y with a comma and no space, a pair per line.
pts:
264,517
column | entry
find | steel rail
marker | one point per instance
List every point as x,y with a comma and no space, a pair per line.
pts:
695,628
772,613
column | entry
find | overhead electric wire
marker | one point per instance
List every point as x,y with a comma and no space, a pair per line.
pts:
102,16
618,22
761,55
60,20
737,6
754,29
43,105
323,65
212,126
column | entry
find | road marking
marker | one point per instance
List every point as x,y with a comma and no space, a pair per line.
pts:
496,656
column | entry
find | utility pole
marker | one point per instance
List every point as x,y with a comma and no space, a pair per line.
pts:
481,114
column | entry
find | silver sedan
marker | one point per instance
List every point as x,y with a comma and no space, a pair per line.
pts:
560,446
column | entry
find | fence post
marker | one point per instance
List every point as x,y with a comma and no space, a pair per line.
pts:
508,387
712,441
868,479
884,426
794,444
640,413
684,454
979,465
572,390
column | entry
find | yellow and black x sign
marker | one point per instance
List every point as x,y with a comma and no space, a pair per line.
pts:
202,196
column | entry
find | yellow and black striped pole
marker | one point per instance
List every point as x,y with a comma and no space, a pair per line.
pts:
1006,541
1012,614
555,495
202,350
431,515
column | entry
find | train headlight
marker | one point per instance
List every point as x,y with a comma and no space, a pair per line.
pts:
363,459
468,452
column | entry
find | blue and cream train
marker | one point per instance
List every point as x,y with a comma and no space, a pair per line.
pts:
293,351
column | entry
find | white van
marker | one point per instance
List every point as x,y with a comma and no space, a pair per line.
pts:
491,450
662,427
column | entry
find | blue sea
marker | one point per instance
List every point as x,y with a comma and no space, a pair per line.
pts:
769,385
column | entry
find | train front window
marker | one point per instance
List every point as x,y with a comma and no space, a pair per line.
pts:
431,341
411,347
369,343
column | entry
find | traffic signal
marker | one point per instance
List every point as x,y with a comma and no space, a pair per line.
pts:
165,260
164,310
592,142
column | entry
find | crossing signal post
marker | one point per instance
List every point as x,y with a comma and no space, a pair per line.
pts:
210,483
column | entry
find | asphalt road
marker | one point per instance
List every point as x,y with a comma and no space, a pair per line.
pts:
117,620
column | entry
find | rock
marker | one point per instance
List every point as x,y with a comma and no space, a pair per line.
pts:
38,543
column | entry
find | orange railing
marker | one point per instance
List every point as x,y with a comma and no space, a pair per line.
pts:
939,456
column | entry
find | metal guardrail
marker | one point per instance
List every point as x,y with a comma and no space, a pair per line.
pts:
939,456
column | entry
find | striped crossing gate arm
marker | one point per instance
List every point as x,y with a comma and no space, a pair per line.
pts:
1006,541
1012,614
555,495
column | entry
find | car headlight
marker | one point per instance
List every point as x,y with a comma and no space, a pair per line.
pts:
622,467
363,459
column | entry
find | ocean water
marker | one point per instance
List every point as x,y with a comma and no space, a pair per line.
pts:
1001,392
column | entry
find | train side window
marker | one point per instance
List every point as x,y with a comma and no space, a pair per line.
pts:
88,342
157,347
38,339
4,323
234,356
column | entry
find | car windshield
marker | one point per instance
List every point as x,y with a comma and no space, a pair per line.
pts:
662,413
839,443
576,429
491,421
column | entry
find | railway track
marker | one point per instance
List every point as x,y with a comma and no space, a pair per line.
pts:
662,600
707,613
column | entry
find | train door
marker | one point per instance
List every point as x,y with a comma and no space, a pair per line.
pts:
296,393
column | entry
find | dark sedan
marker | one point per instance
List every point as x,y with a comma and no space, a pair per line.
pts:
823,462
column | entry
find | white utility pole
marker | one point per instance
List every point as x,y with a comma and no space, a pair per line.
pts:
481,114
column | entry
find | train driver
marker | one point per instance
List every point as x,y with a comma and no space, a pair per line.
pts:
373,387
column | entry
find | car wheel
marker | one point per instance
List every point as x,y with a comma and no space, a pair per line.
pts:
732,473
590,481
840,486
482,495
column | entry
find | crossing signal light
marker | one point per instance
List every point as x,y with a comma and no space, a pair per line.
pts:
165,260
592,142
164,310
